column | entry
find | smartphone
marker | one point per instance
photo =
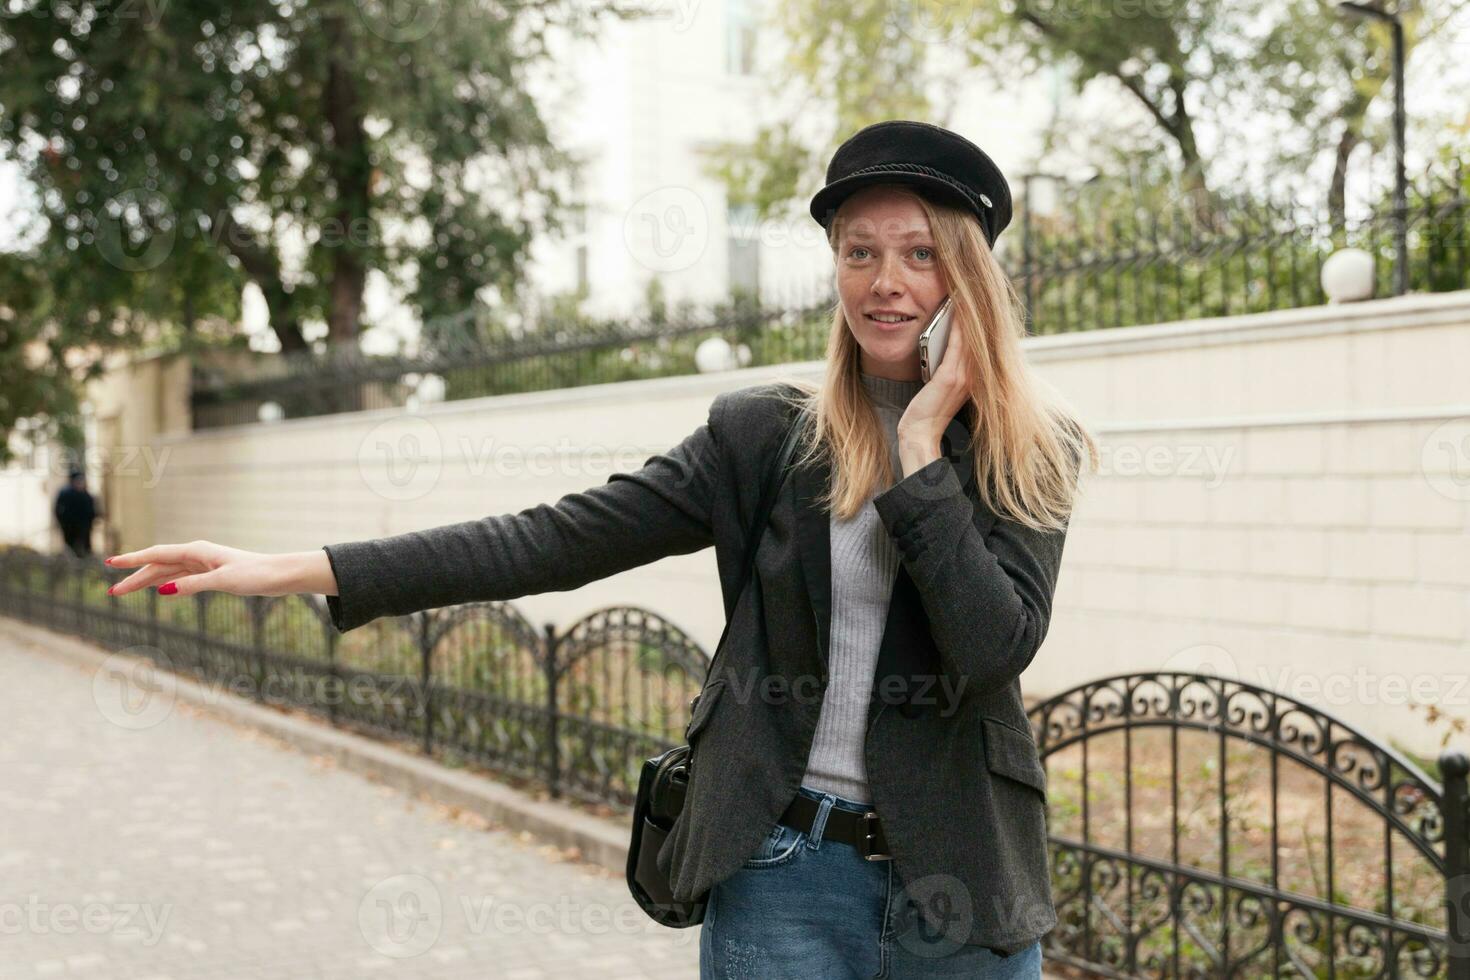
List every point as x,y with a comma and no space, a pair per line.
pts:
933,341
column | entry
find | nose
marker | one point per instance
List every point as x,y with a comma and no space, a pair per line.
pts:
888,281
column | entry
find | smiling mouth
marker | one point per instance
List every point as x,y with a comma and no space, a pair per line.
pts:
888,322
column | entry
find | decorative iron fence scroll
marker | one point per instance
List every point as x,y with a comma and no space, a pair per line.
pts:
1201,826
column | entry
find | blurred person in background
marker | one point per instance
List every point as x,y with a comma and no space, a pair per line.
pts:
75,510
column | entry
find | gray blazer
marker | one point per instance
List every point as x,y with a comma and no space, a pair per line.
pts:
951,761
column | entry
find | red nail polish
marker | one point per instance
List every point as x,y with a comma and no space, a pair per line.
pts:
109,589
168,588
107,561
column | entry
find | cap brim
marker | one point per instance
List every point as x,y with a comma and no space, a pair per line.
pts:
827,200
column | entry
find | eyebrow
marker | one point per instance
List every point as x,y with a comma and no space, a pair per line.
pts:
908,236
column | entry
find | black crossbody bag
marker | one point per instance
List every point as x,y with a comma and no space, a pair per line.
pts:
665,777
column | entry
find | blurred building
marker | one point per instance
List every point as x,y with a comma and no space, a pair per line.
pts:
640,104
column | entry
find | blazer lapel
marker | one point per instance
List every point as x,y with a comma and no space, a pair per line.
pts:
814,544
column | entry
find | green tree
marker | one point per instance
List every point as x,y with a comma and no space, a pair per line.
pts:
181,150
1182,64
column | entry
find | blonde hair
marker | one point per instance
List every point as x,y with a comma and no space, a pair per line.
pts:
1028,444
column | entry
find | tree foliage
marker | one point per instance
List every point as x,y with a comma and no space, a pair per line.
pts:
1300,63
181,150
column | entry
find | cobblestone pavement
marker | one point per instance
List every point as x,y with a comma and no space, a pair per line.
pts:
142,844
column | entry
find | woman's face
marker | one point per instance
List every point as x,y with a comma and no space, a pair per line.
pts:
887,271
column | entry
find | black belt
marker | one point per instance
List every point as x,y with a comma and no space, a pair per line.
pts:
863,831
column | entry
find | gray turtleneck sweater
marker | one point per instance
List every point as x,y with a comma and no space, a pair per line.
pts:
864,563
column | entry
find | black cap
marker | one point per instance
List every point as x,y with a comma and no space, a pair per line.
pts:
942,164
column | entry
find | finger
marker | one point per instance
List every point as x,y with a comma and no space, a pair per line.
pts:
200,582
159,553
149,575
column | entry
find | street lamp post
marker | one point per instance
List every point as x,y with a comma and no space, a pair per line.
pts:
1400,185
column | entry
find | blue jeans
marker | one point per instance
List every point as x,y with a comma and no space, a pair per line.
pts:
812,909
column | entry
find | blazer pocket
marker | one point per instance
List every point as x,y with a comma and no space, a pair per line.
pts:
1011,753
701,708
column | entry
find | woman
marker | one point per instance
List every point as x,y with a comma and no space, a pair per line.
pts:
833,837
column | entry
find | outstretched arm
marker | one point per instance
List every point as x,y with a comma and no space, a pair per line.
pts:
635,518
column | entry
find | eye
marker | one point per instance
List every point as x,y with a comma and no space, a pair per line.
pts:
852,253
928,253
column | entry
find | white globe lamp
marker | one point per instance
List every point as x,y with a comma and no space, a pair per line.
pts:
1347,276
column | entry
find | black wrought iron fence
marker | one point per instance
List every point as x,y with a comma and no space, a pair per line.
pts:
1087,270
1205,827
558,355
1199,826
576,711
1124,263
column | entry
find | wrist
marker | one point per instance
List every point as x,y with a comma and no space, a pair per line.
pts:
307,572
915,454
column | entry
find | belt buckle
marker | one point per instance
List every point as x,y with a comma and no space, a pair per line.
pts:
867,844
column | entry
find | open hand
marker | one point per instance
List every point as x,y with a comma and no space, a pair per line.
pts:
200,566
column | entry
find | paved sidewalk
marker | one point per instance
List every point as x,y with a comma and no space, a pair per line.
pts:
184,833
141,844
